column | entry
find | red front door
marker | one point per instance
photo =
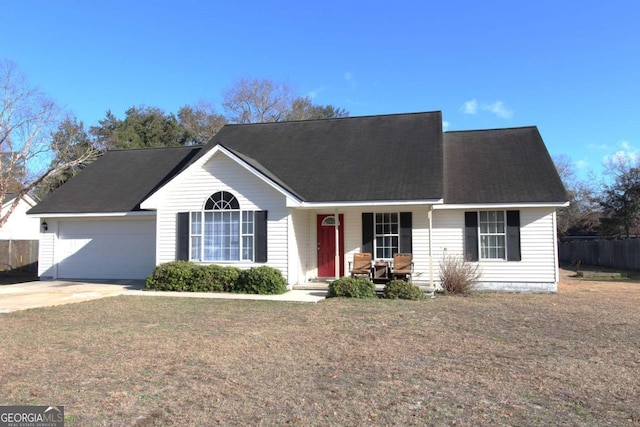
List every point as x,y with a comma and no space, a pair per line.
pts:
327,245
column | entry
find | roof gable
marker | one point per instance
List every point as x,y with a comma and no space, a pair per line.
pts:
154,200
500,166
355,159
26,198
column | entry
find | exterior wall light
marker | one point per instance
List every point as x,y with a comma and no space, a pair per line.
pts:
44,226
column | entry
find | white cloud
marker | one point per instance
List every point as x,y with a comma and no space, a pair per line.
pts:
470,107
622,157
499,109
581,164
315,92
600,147
625,153
445,125
351,80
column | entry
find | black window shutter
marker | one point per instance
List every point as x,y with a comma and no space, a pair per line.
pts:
183,236
513,236
367,233
261,236
406,244
471,236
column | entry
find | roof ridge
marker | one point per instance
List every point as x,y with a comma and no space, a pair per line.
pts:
335,118
191,147
491,129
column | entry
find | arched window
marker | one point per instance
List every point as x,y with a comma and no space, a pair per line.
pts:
330,221
222,231
222,200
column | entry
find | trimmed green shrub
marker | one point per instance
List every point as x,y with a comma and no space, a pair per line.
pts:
214,278
399,289
186,276
171,276
260,280
352,288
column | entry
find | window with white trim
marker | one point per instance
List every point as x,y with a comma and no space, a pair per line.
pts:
222,231
493,235
387,235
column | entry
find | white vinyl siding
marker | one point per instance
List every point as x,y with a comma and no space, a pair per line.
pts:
46,251
292,235
300,260
220,173
19,226
537,240
537,246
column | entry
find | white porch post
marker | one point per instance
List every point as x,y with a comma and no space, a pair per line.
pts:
336,260
430,216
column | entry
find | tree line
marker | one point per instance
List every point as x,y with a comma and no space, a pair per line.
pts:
601,206
42,146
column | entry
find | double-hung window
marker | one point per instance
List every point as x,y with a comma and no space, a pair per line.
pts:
493,235
387,235
222,231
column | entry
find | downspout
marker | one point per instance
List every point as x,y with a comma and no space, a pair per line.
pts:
556,252
336,260
430,216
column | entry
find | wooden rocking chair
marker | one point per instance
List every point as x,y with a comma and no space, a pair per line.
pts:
402,266
361,265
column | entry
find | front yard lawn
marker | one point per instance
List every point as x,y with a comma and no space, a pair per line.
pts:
489,359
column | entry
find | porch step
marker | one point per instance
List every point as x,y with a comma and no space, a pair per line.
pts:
312,286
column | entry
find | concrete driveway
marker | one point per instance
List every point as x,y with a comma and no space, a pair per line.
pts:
48,293
22,296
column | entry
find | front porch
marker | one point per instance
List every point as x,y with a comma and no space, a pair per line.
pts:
327,243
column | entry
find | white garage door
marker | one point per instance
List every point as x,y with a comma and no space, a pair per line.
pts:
107,249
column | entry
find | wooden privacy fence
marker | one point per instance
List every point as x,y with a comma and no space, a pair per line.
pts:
19,255
624,254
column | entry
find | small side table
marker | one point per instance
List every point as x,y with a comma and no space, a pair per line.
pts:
381,270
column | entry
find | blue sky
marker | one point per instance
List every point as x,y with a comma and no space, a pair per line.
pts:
570,67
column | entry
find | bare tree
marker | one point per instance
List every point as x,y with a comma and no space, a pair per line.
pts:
28,117
302,108
201,121
620,198
583,213
257,101
263,101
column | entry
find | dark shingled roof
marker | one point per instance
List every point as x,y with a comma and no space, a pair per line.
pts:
399,157
7,197
354,159
118,181
500,166
263,170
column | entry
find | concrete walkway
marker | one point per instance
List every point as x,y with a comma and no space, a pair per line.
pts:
27,295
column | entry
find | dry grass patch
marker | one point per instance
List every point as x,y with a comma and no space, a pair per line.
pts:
488,359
